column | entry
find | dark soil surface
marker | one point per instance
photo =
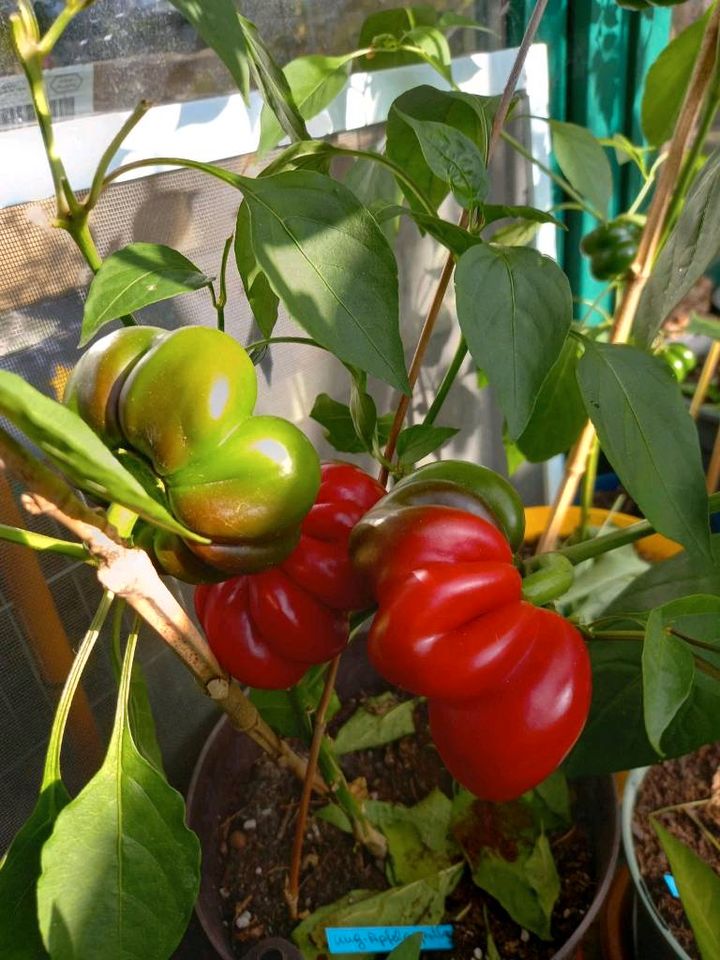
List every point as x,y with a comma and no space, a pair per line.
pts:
256,837
669,783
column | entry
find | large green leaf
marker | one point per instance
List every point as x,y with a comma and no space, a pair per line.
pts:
471,116
421,902
315,81
648,436
614,737
559,413
450,235
328,261
668,673
271,82
452,157
217,23
699,888
420,440
19,934
677,577
515,309
377,721
261,297
288,712
667,81
691,247
134,277
583,163
77,451
120,857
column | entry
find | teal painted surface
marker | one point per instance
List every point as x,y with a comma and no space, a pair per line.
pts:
599,55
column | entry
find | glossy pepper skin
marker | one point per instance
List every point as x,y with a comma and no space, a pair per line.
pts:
181,402
611,248
269,628
680,359
508,684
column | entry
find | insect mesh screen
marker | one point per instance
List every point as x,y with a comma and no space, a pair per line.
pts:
46,602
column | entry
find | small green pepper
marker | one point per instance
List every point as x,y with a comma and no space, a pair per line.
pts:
611,248
679,358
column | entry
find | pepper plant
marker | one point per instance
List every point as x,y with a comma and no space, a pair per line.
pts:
292,557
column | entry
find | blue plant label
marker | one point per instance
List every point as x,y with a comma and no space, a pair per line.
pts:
385,939
671,885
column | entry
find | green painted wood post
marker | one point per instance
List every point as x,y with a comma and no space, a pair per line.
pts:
599,55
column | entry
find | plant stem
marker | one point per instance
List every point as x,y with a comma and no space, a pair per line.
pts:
688,170
588,492
293,884
106,159
441,289
58,27
51,772
222,291
447,382
44,544
650,241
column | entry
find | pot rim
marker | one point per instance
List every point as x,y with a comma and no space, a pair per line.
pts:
632,786
565,950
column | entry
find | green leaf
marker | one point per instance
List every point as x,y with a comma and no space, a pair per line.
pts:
470,115
19,933
393,23
377,721
217,23
78,452
421,902
450,235
409,949
449,20
515,309
501,211
490,948
288,712
550,801
137,860
420,440
271,82
326,258
452,157
363,411
516,234
261,297
699,888
599,580
666,83
140,715
614,737
435,49
559,413
704,326
583,163
375,186
691,247
673,578
339,427
134,277
668,670
315,81
647,435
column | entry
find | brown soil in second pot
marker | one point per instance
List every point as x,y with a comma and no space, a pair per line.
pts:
256,835
666,784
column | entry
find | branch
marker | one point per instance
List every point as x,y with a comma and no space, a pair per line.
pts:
443,282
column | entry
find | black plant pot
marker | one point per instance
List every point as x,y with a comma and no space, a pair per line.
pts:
227,758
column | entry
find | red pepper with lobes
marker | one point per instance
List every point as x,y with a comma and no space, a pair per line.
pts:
267,629
508,683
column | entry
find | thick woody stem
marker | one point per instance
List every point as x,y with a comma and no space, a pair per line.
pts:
441,289
700,82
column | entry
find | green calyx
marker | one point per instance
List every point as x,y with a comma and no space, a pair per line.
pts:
467,486
179,406
612,247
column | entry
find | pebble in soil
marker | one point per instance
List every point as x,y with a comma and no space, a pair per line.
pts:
257,835
666,784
